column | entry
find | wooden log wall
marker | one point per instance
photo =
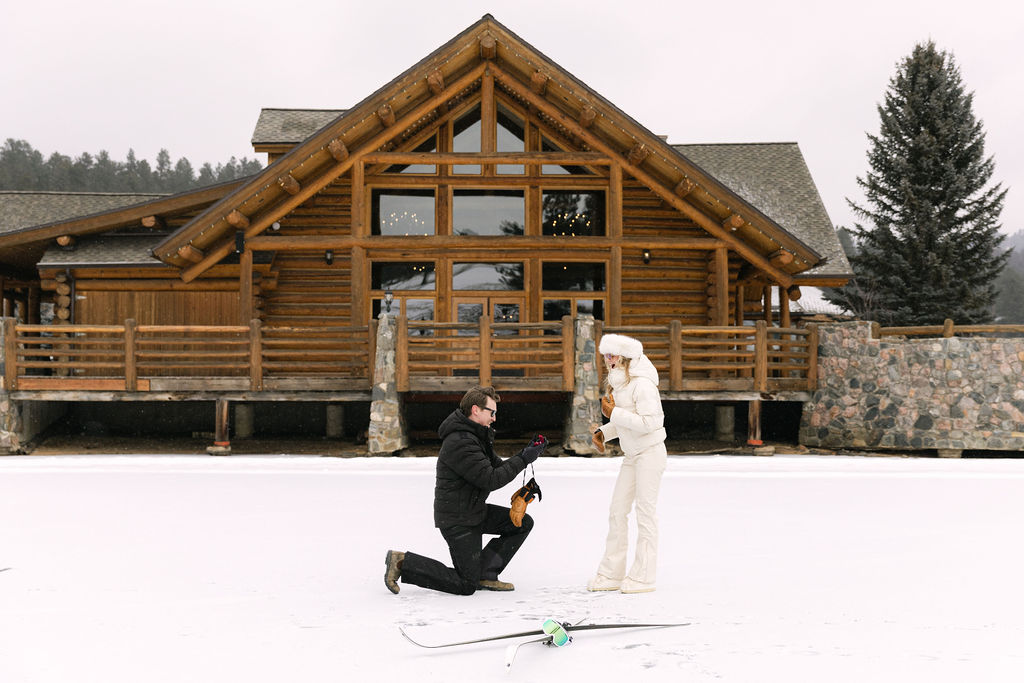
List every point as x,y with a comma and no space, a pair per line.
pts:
673,285
310,291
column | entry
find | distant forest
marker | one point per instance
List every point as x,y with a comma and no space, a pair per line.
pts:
24,168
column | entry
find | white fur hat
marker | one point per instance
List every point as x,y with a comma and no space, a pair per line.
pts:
621,345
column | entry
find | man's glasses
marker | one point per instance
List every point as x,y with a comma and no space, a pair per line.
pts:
492,411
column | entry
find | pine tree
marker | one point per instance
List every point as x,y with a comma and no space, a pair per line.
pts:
931,250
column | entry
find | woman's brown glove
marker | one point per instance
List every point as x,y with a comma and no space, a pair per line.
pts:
607,405
598,441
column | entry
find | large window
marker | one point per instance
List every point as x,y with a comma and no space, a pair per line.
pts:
466,138
572,277
488,212
511,137
568,213
487,276
403,276
402,212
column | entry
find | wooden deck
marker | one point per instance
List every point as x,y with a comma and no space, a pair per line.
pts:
256,362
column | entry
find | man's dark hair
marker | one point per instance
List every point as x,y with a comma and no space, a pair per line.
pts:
477,396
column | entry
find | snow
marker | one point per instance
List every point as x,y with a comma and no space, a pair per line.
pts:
269,568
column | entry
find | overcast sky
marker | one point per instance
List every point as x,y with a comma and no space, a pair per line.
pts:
191,75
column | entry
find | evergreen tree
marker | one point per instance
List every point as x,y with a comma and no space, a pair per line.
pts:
931,249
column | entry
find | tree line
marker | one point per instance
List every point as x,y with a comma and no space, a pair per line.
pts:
23,167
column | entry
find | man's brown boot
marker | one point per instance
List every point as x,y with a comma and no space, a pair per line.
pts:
496,585
393,570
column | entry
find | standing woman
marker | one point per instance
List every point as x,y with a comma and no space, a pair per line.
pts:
632,405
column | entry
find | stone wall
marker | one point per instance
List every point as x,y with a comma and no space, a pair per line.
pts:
947,394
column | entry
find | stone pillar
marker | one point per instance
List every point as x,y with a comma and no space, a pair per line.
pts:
387,432
335,420
585,411
10,415
244,422
725,423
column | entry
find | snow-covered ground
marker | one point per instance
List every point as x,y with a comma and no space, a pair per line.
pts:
150,569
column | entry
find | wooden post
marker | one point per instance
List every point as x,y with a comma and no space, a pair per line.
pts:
568,353
10,356
131,377
255,355
947,328
401,354
245,307
675,355
485,350
760,356
784,319
221,440
754,423
371,361
721,286
358,200
614,312
812,357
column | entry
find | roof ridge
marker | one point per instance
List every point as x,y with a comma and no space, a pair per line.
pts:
69,193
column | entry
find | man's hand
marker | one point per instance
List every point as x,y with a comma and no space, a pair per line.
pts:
598,441
607,405
536,447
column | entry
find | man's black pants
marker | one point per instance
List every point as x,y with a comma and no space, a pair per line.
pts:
472,563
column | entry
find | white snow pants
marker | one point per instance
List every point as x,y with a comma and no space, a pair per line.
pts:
639,480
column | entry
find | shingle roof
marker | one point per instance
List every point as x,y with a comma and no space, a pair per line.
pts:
290,126
774,178
25,209
112,250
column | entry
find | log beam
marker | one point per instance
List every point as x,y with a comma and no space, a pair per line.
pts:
637,154
154,222
386,115
66,241
337,149
488,48
190,253
733,222
587,116
794,293
238,220
289,184
538,82
781,258
685,187
435,81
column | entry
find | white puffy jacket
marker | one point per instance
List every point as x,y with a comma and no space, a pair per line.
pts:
637,419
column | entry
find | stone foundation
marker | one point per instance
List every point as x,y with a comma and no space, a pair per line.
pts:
947,394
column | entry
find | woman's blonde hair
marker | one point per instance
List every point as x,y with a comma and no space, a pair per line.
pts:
624,362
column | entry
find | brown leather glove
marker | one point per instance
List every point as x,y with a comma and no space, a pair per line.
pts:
523,497
517,511
598,441
607,405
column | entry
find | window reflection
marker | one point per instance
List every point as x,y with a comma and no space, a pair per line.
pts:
569,277
403,276
511,138
466,138
402,212
573,214
487,276
488,212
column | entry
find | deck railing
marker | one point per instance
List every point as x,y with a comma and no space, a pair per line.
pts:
429,356
134,357
947,329
757,358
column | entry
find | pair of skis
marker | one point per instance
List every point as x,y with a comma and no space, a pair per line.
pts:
551,633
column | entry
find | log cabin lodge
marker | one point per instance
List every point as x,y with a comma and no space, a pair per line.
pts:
492,209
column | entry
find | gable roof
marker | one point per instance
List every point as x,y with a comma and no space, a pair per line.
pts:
774,178
29,220
412,99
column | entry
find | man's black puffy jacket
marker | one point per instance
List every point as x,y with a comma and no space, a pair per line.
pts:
467,471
